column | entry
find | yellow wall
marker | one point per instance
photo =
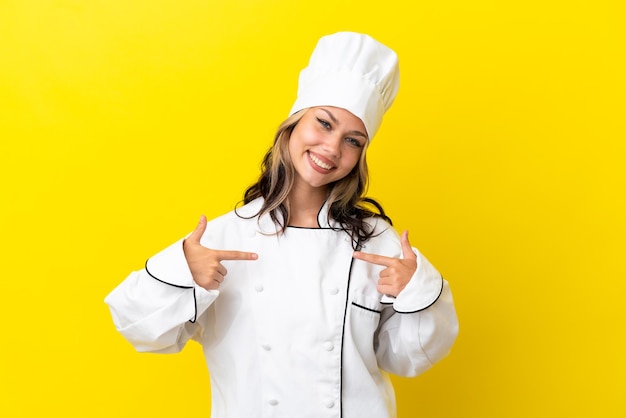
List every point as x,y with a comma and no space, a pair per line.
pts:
504,154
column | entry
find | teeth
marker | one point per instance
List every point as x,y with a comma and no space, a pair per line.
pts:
319,162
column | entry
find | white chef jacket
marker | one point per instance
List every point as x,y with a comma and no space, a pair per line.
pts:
302,331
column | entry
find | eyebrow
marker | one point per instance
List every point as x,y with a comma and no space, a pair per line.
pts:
334,119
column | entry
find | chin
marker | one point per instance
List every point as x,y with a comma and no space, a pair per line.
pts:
318,184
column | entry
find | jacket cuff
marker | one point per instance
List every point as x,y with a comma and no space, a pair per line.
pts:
423,289
170,266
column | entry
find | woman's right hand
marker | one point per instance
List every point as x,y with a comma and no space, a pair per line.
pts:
205,263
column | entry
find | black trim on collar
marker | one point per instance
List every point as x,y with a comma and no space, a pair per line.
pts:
319,212
195,303
309,227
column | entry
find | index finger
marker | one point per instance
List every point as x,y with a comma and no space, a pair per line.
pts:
235,255
380,260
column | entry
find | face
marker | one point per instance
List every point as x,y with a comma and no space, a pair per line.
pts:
326,145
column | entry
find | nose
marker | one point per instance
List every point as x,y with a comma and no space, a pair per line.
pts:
332,145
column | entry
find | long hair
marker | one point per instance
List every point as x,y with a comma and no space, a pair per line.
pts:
348,204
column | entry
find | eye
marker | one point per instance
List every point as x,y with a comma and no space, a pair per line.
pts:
354,142
325,124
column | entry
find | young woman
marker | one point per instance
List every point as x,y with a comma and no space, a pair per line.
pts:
304,297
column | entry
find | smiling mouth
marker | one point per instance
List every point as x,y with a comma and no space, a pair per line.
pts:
319,162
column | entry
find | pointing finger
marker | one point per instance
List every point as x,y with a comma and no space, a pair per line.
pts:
235,255
380,260
407,250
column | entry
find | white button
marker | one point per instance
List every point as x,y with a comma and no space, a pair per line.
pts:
259,288
273,402
333,291
252,233
329,346
330,404
266,347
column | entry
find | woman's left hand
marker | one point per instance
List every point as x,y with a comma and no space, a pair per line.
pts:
398,271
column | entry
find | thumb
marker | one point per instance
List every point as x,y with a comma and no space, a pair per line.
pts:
199,231
407,250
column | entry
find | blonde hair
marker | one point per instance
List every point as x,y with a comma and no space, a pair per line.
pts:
347,201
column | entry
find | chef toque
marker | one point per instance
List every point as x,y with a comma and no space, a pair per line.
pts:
351,71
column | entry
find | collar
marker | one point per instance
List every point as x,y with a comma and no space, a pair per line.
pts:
267,226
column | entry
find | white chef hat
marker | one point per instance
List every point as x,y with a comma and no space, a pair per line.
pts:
351,71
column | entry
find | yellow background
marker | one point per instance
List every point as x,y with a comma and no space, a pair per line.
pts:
122,121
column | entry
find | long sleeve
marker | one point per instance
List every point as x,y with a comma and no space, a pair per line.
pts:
156,308
417,328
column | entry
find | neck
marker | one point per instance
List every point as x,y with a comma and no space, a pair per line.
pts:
304,206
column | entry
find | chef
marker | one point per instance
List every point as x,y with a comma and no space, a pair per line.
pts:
303,298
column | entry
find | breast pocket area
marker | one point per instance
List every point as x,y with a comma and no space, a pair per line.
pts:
365,314
366,306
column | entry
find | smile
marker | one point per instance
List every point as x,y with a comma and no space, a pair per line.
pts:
318,162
